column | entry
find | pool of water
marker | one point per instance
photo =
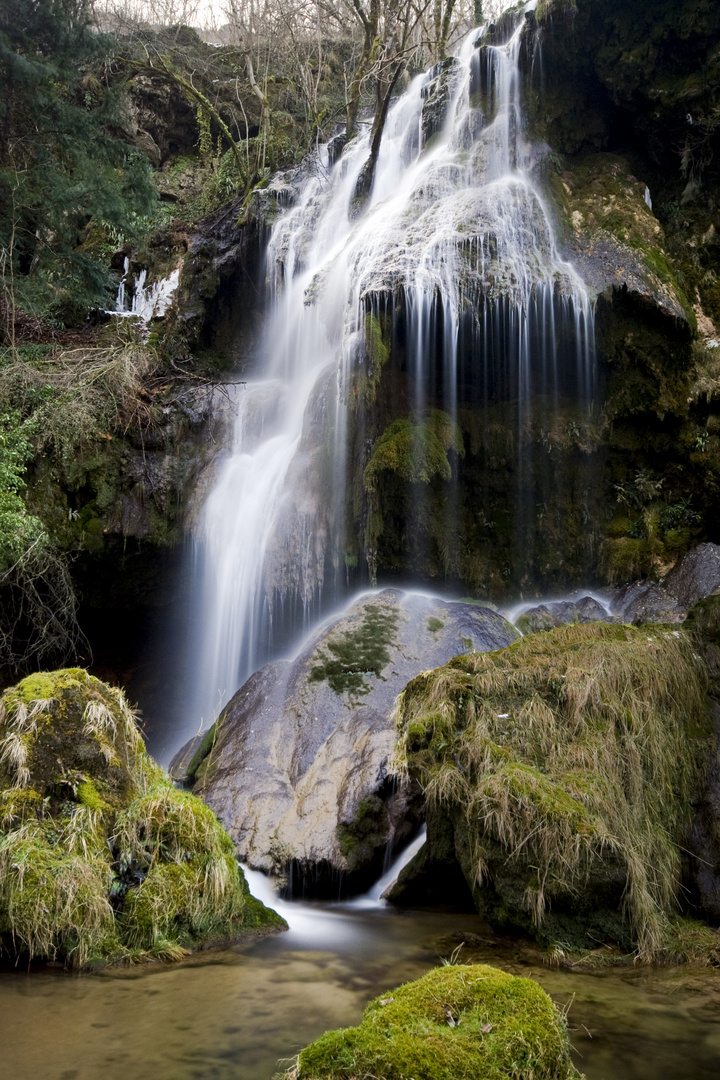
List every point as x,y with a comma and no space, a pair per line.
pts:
232,1015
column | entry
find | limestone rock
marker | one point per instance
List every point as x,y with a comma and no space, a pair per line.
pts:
560,613
695,576
437,94
647,601
304,744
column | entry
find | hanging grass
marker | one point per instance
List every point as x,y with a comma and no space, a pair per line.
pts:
569,763
101,857
459,1022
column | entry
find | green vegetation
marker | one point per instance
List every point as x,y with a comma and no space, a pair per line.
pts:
568,764
415,451
37,598
434,624
362,650
458,1022
102,859
62,173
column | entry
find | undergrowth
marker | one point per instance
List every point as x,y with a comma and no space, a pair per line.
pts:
576,751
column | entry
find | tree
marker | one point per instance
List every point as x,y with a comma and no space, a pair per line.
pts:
61,165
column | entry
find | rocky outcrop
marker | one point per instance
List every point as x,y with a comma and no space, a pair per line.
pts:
102,859
297,766
694,577
561,613
437,94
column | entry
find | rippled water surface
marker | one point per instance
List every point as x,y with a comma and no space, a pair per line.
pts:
233,1014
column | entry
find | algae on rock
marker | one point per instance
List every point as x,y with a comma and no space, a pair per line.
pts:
567,765
457,1022
101,857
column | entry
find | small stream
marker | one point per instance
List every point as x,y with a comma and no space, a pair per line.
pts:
232,1014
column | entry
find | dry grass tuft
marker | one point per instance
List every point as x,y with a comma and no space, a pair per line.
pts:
571,749
101,857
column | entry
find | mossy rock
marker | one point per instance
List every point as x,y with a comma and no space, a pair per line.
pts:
567,766
102,859
455,1023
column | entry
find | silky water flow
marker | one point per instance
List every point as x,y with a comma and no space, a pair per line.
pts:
456,233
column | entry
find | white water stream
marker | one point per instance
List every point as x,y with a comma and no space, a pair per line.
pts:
457,231
319,922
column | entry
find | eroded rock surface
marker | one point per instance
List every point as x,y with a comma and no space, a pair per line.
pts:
694,577
304,746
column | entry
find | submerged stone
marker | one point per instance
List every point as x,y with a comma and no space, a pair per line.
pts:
458,1022
102,859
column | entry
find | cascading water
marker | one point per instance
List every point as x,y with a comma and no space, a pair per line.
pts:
452,255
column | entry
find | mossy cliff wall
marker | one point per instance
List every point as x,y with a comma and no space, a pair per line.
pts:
625,100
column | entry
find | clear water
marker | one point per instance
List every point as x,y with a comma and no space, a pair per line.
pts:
232,1015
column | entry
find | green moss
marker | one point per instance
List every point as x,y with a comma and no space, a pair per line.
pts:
455,1023
88,795
365,833
363,650
569,763
101,857
434,624
378,354
203,751
416,452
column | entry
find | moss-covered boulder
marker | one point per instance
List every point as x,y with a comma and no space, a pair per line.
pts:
566,767
455,1023
101,857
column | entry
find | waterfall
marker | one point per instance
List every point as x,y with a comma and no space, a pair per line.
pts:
454,244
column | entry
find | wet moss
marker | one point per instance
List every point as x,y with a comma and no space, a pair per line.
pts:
455,1023
568,763
415,451
102,859
347,658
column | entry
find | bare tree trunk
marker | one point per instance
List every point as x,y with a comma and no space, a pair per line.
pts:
367,174
370,22
164,68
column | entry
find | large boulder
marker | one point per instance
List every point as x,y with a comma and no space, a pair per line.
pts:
102,859
297,766
561,775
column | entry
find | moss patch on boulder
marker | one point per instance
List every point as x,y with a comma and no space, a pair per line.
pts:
363,650
101,857
455,1023
568,765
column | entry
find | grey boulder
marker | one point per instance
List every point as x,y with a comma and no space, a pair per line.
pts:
298,767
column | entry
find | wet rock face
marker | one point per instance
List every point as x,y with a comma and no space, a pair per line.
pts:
436,97
305,745
694,577
560,613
